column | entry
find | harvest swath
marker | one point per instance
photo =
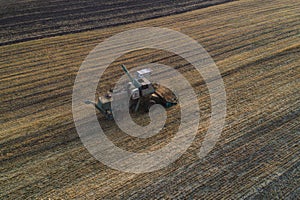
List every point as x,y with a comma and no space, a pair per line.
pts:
255,44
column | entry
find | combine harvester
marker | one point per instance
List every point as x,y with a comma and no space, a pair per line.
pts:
141,92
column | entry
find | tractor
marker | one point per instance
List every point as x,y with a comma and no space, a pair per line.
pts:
141,92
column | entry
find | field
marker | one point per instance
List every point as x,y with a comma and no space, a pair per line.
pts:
256,46
32,19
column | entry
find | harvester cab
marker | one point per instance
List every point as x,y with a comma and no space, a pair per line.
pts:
140,83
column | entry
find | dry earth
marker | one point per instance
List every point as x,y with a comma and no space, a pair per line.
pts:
24,20
255,44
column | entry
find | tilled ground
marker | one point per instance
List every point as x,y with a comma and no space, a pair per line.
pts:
24,20
256,46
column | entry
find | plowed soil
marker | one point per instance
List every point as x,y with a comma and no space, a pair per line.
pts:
256,46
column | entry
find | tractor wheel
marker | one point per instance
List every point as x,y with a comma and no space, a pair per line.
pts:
151,103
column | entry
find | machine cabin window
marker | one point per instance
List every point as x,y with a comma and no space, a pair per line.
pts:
144,87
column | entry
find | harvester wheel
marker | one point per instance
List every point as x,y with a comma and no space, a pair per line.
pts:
151,103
